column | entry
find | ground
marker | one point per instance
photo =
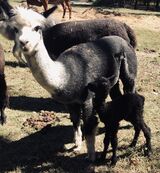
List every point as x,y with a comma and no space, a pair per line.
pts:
38,132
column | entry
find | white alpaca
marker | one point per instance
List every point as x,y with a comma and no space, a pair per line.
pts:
67,77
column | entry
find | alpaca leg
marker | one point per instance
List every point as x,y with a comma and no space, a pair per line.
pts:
147,133
114,143
28,5
75,114
106,142
136,135
129,87
64,9
90,124
45,4
69,8
90,137
115,91
128,75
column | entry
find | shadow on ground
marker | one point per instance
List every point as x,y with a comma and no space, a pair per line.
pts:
32,153
15,64
35,104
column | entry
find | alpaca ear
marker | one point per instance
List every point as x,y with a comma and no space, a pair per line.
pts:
3,15
6,7
47,13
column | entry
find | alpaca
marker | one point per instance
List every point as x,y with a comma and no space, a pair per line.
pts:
65,35
45,3
66,78
9,32
3,88
127,107
59,37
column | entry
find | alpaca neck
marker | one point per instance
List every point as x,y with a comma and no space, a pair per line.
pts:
100,108
48,73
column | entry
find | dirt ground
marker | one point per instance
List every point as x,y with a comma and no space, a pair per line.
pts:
28,145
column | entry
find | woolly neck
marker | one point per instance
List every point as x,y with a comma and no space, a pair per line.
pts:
49,74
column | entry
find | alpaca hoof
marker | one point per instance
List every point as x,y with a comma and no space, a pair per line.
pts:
91,157
100,158
90,160
147,152
113,162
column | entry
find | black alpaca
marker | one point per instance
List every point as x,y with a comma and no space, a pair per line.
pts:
3,88
127,107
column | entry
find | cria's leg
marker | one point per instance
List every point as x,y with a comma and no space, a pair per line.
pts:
90,124
106,142
136,135
114,143
75,114
147,133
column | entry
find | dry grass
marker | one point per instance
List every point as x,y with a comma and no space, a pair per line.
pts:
26,149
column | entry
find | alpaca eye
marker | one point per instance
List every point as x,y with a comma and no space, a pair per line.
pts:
15,30
37,28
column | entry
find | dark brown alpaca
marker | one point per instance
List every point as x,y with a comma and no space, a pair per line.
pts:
44,3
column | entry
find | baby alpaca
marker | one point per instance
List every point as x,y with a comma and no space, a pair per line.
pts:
127,107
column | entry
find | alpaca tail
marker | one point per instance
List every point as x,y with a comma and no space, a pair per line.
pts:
131,35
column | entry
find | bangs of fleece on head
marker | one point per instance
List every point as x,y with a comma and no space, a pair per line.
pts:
24,16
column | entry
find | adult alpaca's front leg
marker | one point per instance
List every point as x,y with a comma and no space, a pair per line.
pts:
90,124
75,114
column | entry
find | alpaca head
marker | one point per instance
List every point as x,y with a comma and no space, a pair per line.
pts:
102,86
27,25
